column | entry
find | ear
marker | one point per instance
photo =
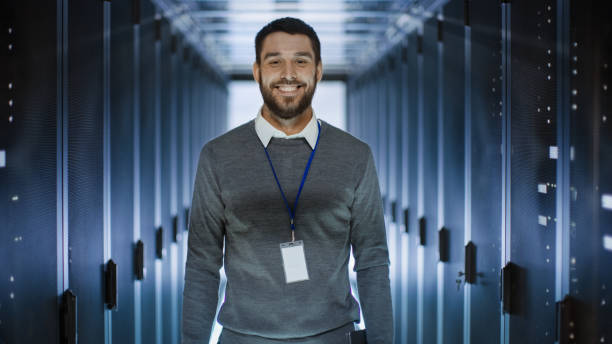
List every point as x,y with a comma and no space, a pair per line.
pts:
319,71
256,72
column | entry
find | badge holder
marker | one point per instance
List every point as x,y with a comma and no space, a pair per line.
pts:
294,261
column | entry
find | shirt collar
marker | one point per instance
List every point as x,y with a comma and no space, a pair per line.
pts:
265,131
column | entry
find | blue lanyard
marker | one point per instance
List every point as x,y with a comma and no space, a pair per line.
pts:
292,211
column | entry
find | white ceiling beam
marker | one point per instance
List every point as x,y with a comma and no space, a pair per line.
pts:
259,15
320,27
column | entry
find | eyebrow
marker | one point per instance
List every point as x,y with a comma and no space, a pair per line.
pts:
299,53
271,55
303,54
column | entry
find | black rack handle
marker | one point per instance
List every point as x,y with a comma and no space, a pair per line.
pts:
443,244
159,243
110,295
422,231
175,230
407,220
68,319
470,263
139,262
508,287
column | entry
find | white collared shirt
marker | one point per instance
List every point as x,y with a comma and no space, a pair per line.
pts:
265,131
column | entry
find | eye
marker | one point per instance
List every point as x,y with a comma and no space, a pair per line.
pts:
301,61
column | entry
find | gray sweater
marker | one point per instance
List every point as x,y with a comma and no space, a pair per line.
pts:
236,203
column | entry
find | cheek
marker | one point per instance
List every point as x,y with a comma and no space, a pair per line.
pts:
267,81
309,76
267,77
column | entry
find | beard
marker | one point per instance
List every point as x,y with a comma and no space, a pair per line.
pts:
285,107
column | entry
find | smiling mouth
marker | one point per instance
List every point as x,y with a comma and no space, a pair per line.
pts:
288,90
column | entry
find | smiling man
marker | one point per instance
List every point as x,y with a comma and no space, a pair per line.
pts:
280,202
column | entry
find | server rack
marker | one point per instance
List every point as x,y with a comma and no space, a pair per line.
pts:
504,149
93,165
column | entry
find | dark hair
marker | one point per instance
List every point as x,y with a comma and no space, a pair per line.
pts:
291,26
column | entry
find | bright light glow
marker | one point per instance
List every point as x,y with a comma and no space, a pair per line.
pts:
553,152
264,17
354,291
327,17
404,279
607,242
542,188
158,301
542,220
272,6
244,102
404,19
420,291
240,39
216,332
606,201
174,290
440,302
2,158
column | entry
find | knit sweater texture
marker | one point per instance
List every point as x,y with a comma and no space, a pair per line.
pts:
238,220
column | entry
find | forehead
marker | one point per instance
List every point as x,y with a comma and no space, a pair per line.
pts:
284,43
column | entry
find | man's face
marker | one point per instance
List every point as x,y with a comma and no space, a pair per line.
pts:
287,74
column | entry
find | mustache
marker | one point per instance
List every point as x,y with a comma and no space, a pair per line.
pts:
287,82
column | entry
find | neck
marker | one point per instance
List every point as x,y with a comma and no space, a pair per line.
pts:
289,126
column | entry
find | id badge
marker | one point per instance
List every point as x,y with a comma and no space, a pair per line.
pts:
294,261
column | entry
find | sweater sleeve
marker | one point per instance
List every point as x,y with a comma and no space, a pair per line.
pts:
369,243
375,298
204,254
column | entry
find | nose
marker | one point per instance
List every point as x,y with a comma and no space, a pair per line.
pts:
288,72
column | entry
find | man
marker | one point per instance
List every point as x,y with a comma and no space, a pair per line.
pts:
288,195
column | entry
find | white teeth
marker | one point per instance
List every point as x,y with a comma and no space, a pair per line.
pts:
287,88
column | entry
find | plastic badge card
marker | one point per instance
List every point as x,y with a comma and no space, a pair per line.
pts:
294,261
